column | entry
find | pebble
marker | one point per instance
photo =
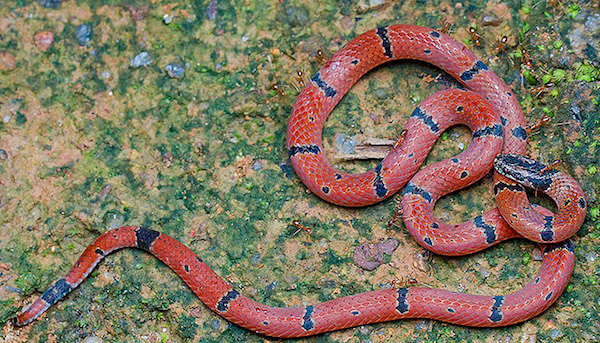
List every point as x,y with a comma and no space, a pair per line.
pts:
369,5
345,143
141,60
211,10
49,3
84,34
3,155
255,258
423,326
484,272
14,290
92,339
296,15
175,70
167,18
286,168
369,256
591,256
7,61
593,22
555,334
215,324
44,39
257,166
139,12
490,20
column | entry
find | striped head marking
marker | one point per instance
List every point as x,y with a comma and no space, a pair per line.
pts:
525,171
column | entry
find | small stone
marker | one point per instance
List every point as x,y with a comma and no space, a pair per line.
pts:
490,20
141,60
167,18
84,34
287,169
138,12
555,334
211,10
255,258
484,272
369,256
167,159
423,326
376,119
92,339
175,70
7,61
3,155
257,166
104,192
270,288
215,323
590,256
345,143
536,254
49,3
105,74
296,15
369,5
44,39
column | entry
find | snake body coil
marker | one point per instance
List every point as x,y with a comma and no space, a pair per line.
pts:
492,112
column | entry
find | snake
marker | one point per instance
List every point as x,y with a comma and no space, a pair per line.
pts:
488,107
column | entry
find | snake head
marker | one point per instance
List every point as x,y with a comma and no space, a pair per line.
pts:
525,171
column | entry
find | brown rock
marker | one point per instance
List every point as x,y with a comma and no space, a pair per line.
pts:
7,61
44,39
369,256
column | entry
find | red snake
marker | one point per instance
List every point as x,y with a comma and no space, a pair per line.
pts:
494,115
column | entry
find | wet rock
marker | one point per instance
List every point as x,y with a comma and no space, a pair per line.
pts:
141,60
84,34
345,143
175,70
49,3
7,61
3,155
369,256
43,39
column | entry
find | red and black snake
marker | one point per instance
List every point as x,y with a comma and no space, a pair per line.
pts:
494,115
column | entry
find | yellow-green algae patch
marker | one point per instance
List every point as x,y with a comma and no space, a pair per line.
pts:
89,142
